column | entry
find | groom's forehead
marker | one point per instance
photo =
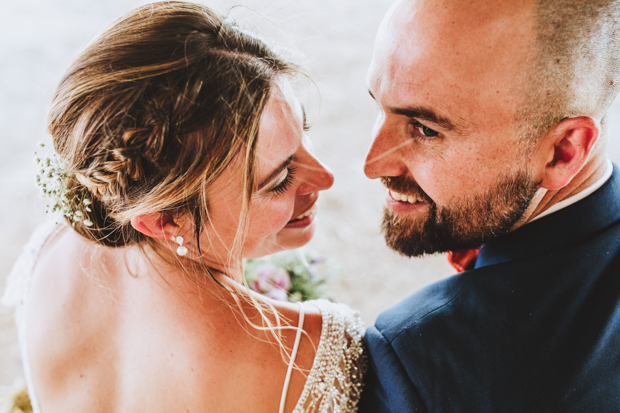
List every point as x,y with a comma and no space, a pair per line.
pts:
456,30
442,50
458,14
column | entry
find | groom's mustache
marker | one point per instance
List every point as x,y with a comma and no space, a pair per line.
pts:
405,186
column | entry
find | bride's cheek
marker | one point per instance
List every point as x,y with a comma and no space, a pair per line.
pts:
271,215
280,215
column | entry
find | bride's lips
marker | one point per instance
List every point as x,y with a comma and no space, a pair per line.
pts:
304,218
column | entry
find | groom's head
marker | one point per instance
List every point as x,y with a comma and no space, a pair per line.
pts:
483,106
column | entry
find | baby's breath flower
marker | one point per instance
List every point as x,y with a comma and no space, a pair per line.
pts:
52,179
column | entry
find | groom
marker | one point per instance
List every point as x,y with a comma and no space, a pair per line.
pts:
492,134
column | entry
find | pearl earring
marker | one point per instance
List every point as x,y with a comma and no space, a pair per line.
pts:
182,251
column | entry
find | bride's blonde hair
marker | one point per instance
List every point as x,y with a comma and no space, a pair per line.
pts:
153,111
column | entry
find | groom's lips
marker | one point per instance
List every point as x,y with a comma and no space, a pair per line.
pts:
403,204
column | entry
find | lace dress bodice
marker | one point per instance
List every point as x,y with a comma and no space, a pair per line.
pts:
335,380
334,383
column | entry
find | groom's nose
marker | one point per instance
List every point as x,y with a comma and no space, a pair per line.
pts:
384,157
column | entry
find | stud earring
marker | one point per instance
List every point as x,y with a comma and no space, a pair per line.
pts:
182,251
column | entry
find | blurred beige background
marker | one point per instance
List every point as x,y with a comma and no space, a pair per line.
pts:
38,39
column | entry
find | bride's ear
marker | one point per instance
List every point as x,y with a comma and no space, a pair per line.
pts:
155,225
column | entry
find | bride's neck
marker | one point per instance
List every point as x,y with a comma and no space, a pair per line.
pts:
176,271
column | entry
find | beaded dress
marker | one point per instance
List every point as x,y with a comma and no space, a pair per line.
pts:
334,383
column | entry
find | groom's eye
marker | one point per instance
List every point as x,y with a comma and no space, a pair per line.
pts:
423,130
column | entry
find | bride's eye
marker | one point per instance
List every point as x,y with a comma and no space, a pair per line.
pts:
423,130
285,183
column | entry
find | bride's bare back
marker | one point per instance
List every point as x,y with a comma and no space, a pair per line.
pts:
103,340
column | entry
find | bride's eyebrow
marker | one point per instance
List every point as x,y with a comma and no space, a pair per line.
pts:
276,172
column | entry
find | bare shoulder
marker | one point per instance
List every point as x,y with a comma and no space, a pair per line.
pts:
312,321
323,317
68,319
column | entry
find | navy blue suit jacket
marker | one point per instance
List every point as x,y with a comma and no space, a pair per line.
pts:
535,327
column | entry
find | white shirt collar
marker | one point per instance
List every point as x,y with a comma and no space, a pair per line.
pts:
580,195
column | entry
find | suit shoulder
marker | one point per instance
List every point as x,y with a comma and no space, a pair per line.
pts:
420,305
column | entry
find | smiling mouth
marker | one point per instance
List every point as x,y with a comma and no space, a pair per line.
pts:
301,216
411,199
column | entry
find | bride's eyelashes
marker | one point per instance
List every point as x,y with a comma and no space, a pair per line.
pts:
285,184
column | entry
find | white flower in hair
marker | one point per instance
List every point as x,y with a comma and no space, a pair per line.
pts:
52,180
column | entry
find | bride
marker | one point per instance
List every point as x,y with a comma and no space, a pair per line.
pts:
180,151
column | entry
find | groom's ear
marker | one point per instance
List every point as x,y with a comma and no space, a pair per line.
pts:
155,225
567,147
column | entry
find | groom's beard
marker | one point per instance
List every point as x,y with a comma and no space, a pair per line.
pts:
467,224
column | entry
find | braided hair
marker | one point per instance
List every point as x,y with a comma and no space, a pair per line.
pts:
155,108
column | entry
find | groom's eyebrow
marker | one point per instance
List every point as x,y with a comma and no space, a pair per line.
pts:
276,172
422,113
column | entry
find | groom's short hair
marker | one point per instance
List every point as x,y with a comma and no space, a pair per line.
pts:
576,65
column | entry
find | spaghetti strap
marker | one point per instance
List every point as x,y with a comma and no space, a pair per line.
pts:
293,355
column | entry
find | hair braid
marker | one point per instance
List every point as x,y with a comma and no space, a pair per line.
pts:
155,109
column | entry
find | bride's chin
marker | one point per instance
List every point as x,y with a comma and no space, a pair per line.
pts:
291,238
286,239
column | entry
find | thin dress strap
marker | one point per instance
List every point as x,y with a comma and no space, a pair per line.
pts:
293,355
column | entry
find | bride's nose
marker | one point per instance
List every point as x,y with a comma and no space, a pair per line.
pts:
315,176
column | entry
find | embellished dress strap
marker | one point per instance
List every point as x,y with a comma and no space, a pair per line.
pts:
18,286
291,363
334,383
